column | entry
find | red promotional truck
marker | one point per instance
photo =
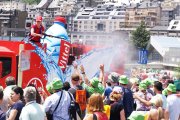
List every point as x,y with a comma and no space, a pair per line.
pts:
17,59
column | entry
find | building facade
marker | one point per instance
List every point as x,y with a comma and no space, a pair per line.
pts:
99,21
147,11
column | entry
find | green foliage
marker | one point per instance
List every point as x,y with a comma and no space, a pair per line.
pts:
31,1
141,36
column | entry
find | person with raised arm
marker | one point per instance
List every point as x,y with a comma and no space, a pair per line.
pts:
96,85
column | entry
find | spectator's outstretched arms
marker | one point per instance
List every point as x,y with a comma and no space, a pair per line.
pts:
84,75
147,103
101,76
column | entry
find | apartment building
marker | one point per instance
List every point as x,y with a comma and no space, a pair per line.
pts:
170,10
147,11
170,3
12,23
15,5
167,15
100,22
12,18
11,5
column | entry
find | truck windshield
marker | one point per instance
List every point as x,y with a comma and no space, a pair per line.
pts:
6,66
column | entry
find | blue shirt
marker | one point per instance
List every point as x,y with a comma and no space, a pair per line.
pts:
107,91
2,115
128,101
16,106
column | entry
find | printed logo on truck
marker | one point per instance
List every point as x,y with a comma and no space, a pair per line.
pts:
36,82
64,54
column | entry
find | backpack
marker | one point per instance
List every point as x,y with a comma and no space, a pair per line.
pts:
74,109
80,95
99,116
81,99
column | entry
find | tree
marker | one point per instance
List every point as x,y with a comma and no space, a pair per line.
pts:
31,1
141,36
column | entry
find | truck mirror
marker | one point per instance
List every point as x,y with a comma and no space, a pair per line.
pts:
0,69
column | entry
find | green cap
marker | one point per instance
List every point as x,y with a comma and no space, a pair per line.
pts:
165,92
136,116
113,77
123,79
148,81
49,88
57,84
94,82
172,88
142,86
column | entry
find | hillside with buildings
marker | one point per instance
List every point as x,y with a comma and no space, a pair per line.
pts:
95,22
100,16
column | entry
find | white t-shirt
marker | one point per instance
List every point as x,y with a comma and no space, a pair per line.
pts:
6,98
138,103
163,100
173,106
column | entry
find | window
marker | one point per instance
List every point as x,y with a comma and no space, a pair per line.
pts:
28,24
85,27
173,27
100,27
87,37
6,66
176,22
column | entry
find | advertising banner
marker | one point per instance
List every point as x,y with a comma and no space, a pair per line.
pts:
64,54
143,56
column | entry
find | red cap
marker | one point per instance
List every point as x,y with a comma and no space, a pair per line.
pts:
60,19
39,18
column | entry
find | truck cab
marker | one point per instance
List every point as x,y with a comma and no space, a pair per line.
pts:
8,65
23,64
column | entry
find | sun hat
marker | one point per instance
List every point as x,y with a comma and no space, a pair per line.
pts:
39,18
94,82
148,81
142,86
136,115
49,88
116,93
123,79
60,19
172,88
57,84
117,89
165,92
113,77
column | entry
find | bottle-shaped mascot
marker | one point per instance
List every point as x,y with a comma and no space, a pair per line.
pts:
58,48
